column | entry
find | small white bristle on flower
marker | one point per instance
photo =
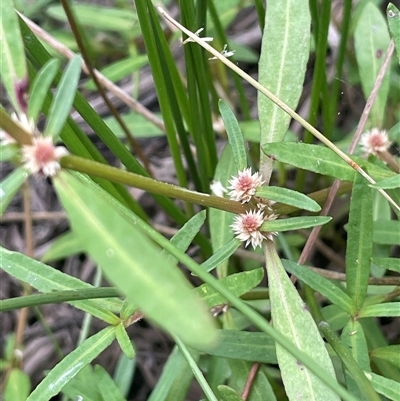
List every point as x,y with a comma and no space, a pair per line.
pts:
42,156
244,185
218,189
375,141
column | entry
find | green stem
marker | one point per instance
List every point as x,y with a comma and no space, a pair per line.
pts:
57,297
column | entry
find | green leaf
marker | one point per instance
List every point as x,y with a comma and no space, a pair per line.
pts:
228,393
387,387
40,87
244,345
238,284
353,338
107,387
318,283
63,99
284,54
221,233
84,384
320,159
288,197
335,316
393,17
235,136
388,263
124,341
17,386
371,41
391,309
293,320
388,183
124,373
131,261
221,255
72,364
13,62
10,186
99,17
8,152
390,353
294,223
120,69
359,242
65,245
47,279
387,232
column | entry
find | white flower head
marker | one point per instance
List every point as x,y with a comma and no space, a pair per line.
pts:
375,141
246,227
218,189
244,185
42,156
24,122
225,53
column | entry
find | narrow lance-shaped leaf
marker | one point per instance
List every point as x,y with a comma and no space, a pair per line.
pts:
124,341
63,99
390,353
288,197
72,364
359,242
40,86
10,186
387,387
294,223
284,54
13,62
371,41
292,318
235,136
387,232
106,385
131,261
393,17
388,183
390,309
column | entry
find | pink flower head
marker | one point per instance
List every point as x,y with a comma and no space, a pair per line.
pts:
375,141
245,226
244,185
42,156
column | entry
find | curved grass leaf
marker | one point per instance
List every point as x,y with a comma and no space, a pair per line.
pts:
10,186
235,136
387,232
106,385
393,17
40,87
238,284
391,309
63,99
221,233
388,263
221,255
124,341
244,345
359,242
288,197
353,338
284,54
72,364
294,223
293,320
371,40
13,62
131,261
388,183
390,353
47,279
387,387
318,283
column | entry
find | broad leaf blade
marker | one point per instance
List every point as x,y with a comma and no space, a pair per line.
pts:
359,242
294,321
288,197
387,232
282,66
131,260
72,364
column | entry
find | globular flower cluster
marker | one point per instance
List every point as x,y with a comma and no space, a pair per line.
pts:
375,141
41,156
246,227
